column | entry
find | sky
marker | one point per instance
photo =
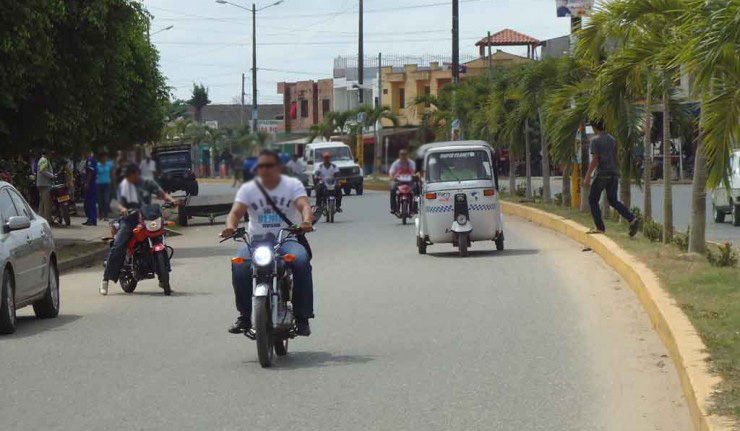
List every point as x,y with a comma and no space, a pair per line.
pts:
210,43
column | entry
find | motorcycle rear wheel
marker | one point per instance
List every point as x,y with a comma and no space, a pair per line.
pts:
263,331
65,214
281,347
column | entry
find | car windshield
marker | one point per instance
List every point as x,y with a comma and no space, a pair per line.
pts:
458,166
337,153
180,160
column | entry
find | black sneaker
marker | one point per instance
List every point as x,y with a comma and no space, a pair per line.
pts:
339,210
242,324
302,327
634,227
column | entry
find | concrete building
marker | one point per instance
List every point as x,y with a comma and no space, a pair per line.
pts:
556,47
305,103
401,86
346,83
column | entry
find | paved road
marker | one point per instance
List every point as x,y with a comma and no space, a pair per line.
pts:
681,209
542,336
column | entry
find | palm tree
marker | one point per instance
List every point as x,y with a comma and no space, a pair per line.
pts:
199,100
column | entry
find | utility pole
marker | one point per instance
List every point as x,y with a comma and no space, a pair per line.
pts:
378,148
455,42
360,59
490,60
241,116
255,113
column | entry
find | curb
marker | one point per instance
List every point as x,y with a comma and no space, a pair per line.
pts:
674,329
88,259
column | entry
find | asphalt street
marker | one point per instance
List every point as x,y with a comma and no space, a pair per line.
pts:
542,336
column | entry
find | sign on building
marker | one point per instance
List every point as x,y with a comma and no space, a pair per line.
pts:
270,126
568,8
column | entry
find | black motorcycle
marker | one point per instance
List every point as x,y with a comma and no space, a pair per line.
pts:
273,322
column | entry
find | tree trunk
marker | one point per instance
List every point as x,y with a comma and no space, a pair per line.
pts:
565,196
697,239
546,193
667,177
512,175
528,161
647,161
378,162
625,181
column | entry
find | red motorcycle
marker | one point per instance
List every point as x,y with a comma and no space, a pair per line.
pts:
60,203
147,254
405,197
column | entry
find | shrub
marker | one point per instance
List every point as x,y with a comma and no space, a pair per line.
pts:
652,230
681,240
637,212
725,256
558,199
521,190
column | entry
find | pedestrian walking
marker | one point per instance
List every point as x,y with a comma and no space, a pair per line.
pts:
104,175
44,181
91,190
604,161
148,168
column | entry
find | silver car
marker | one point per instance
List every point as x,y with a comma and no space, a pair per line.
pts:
28,261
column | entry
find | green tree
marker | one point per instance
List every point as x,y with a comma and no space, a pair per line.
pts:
198,100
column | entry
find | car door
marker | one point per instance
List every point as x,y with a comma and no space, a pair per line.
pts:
40,237
18,243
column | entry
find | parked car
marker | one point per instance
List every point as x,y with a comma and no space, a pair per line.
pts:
341,156
727,200
28,261
175,169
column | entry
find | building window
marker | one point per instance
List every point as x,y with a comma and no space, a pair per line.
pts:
304,108
325,106
401,98
385,91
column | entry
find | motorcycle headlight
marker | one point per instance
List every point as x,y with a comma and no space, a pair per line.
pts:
153,225
462,219
356,170
262,256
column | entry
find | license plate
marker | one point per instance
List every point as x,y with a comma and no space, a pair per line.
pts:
62,199
342,182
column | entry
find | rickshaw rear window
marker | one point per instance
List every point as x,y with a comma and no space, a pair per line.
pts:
458,166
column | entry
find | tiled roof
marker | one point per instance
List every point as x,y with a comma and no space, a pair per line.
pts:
508,37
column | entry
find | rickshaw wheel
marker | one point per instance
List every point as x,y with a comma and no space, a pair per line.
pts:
462,244
421,245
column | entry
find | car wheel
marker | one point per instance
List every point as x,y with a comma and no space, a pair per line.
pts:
718,215
7,304
48,306
347,191
359,190
182,218
736,215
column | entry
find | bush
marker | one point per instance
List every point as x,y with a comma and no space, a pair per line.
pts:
652,230
681,240
521,190
637,212
725,257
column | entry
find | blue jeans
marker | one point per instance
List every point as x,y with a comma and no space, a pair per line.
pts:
611,185
117,253
241,278
91,210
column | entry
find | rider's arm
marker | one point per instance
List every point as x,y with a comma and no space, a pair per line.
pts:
304,206
393,169
238,210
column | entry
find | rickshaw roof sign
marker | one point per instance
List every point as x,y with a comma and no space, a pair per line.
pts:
426,147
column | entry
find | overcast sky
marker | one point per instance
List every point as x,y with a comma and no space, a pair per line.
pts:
298,39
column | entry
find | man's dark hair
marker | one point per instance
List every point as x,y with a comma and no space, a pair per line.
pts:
598,124
271,153
130,168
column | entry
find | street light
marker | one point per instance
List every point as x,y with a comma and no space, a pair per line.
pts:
254,11
163,29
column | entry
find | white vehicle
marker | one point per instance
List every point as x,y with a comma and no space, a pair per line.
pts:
28,261
459,203
350,173
727,201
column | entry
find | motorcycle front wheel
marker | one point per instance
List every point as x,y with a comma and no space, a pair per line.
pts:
128,283
163,274
263,330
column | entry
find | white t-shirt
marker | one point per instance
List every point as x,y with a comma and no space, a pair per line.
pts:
262,218
148,168
295,166
326,172
400,168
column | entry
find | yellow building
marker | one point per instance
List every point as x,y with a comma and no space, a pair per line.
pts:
401,86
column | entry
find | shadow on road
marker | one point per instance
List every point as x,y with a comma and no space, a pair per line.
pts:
28,326
298,360
159,292
485,253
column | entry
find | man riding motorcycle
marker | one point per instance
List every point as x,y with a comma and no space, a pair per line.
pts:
288,195
133,192
402,166
327,171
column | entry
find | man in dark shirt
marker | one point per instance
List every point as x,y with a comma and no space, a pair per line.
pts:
604,160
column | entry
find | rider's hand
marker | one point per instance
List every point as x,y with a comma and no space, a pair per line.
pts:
306,226
227,233
123,211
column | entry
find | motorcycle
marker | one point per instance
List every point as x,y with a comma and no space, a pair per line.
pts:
147,253
405,198
328,204
60,203
273,322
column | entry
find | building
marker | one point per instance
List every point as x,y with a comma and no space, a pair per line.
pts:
556,47
235,115
347,85
402,86
305,103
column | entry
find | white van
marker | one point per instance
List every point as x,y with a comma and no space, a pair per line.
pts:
726,201
341,156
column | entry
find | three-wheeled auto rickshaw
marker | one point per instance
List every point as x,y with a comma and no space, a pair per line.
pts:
459,201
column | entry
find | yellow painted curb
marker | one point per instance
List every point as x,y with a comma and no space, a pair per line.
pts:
675,330
216,180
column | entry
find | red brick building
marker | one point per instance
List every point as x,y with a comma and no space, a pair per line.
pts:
305,103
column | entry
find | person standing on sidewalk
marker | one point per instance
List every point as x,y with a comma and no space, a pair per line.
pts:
604,161
148,168
104,175
44,181
91,190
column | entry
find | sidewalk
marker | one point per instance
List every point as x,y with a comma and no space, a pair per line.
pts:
79,245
